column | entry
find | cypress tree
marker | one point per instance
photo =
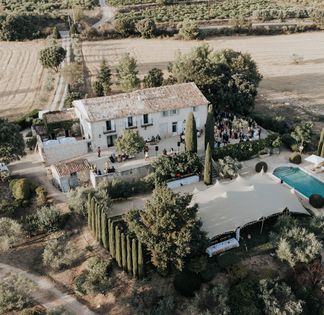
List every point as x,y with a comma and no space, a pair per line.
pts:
123,251
321,144
117,248
208,167
322,153
129,254
191,134
134,257
56,34
109,235
209,128
92,226
140,261
95,221
104,229
98,224
112,240
89,211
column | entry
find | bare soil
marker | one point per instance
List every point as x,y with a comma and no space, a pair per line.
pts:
286,87
22,78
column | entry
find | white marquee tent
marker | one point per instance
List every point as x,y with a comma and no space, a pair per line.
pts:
224,207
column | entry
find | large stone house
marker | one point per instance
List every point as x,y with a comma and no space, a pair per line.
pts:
155,111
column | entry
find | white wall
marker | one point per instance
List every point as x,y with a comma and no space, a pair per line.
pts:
99,134
64,151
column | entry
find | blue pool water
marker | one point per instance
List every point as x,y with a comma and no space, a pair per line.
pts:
301,181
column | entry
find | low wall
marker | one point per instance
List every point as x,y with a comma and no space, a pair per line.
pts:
183,181
134,173
64,151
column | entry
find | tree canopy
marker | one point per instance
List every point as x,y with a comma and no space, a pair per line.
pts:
52,57
146,27
227,78
127,73
130,143
303,134
191,134
168,227
154,78
12,144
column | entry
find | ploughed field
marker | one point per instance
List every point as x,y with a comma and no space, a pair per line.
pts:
22,78
292,65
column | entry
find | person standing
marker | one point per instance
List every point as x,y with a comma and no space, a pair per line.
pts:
99,152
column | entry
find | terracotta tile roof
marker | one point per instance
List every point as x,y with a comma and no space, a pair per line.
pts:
141,102
58,116
75,166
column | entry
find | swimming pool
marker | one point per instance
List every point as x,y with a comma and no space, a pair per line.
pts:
305,183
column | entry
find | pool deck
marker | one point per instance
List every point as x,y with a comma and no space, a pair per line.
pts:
282,159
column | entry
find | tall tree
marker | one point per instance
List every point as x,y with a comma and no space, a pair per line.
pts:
140,261
12,145
191,134
154,78
98,235
98,89
229,82
89,210
118,247
303,135
127,73
320,152
112,239
129,254
104,77
134,258
93,221
130,143
55,33
52,57
208,180
104,229
168,227
123,251
209,128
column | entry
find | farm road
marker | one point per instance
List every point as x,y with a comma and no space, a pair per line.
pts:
47,294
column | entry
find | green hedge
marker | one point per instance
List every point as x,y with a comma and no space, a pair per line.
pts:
275,124
126,250
244,150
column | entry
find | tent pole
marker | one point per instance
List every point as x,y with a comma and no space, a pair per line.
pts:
262,225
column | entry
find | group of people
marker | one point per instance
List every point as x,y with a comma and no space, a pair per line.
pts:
225,129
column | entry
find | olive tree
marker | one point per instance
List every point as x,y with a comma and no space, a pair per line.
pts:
130,143
52,57
15,292
127,73
10,233
303,135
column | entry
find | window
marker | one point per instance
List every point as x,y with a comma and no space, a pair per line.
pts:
130,121
194,109
145,119
173,112
174,127
111,140
108,125
165,113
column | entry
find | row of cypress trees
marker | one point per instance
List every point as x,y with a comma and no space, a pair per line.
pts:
127,251
320,149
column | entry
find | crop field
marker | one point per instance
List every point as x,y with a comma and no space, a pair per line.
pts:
285,82
23,82
227,9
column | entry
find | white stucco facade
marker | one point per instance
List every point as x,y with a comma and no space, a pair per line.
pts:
165,124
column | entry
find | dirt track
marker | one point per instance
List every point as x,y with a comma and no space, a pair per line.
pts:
283,80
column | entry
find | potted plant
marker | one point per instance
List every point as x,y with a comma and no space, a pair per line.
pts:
264,153
276,145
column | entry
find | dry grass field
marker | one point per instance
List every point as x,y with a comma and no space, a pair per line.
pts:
24,84
285,83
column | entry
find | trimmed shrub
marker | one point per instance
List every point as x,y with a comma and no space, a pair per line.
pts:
22,188
41,196
146,27
124,26
261,165
316,200
186,283
295,158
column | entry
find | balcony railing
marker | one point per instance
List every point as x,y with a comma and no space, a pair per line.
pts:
148,122
109,131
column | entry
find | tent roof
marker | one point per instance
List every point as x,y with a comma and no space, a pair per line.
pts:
315,159
224,207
